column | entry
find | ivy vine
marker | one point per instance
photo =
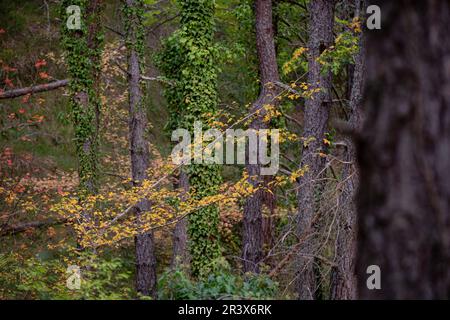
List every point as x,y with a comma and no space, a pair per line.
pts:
188,60
83,49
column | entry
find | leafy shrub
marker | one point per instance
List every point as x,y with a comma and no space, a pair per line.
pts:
223,284
36,278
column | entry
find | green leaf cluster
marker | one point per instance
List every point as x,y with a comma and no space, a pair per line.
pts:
223,284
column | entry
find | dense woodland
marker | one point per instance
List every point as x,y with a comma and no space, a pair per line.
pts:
93,205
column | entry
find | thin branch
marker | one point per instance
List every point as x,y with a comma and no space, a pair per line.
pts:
293,120
115,31
287,88
164,22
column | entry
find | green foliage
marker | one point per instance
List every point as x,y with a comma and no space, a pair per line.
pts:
170,62
291,33
222,284
188,61
107,279
134,27
238,59
40,278
345,47
28,279
82,57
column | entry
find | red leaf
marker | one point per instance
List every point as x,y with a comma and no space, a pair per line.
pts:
43,75
40,63
9,83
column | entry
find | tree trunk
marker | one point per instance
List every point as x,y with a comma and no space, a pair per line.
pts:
188,61
83,51
180,250
403,153
315,124
253,224
343,276
95,44
139,152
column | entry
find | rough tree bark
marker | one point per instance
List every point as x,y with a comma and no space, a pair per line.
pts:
180,253
95,43
343,276
403,153
315,123
268,72
139,152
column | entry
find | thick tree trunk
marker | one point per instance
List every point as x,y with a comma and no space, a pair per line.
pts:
403,152
180,250
139,152
253,224
343,276
315,124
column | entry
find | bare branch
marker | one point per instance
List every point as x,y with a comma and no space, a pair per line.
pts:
14,229
34,89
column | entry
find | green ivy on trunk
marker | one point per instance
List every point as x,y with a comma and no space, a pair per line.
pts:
83,48
189,62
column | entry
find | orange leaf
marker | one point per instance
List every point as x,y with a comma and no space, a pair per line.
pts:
43,75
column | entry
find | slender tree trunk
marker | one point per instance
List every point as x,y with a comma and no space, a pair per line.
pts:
95,44
139,152
315,124
180,250
253,224
343,276
403,153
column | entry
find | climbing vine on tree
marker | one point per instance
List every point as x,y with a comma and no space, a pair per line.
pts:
131,13
83,48
188,61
